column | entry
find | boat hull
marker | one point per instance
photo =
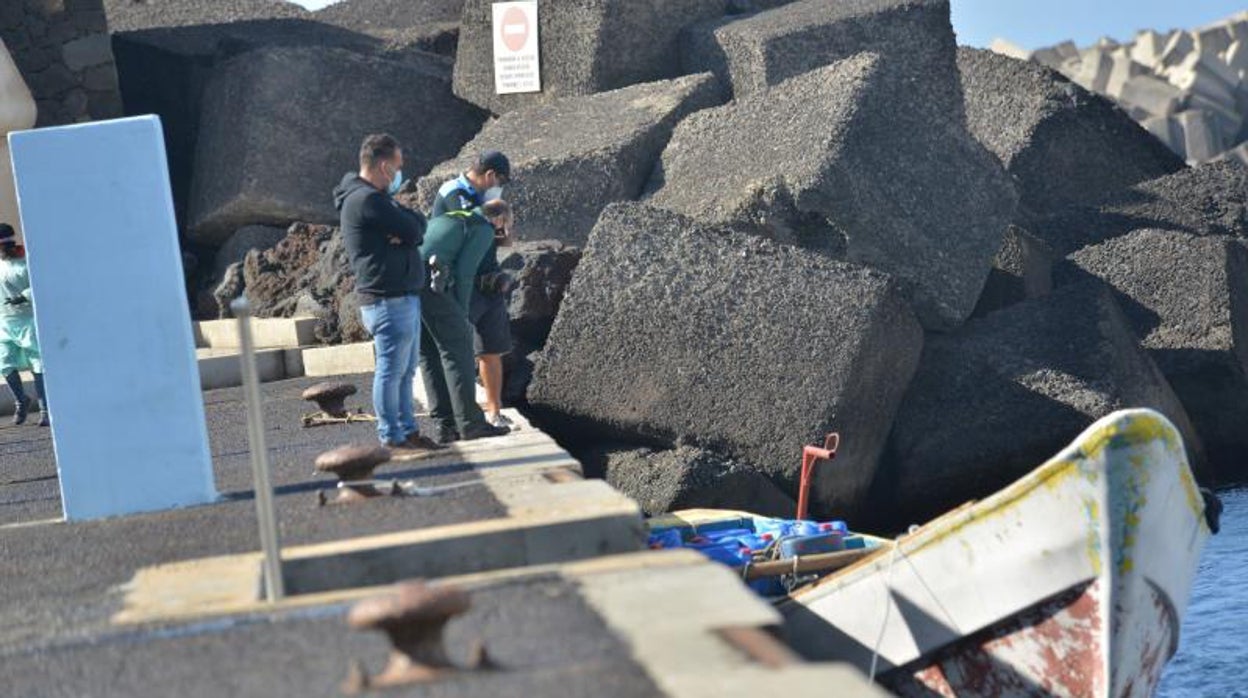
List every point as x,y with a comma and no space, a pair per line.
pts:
1071,582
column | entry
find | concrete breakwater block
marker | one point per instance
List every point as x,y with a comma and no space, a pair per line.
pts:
1187,299
999,397
692,478
673,330
262,110
582,44
914,37
930,209
573,156
1061,144
1207,200
1022,270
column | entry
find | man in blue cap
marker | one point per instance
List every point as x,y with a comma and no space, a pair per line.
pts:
482,183
19,347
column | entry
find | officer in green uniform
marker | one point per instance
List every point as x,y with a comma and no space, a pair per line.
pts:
454,245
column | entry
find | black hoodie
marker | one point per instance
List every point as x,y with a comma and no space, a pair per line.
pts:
370,220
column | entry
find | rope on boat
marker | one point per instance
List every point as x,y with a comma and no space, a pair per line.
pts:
888,606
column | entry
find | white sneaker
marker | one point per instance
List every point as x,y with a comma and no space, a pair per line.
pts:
498,419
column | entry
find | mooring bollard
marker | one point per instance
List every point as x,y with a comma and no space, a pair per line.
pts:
274,586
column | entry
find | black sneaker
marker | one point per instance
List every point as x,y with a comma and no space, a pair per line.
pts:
45,420
484,431
21,411
447,434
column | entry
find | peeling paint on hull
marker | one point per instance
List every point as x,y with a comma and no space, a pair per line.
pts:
1071,582
1057,648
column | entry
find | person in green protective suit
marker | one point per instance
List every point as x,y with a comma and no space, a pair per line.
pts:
19,348
454,246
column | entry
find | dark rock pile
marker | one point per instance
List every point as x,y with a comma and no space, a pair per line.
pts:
797,218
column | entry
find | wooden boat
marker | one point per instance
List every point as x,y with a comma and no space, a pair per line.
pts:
1071,582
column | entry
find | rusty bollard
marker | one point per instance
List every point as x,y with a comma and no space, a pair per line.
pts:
331,398
414,616
354,466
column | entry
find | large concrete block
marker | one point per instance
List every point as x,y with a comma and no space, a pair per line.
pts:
693,478
1187,299
1061,144
1152,94
281,126
803,163
572,157
587,46
1202,140
1022,270
914,39
1207,200
1094,70
676,331
1009,391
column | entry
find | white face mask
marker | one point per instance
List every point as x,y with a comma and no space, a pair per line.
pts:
493,193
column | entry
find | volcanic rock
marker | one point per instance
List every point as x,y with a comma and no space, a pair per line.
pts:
244,240
1007,392
572,157
281,126
542,271
1187,299
1062,144
677,331
802,162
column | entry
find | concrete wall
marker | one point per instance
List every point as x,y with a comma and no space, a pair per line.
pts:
17,112
64,52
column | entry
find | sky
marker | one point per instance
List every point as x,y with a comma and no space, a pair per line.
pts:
1037,23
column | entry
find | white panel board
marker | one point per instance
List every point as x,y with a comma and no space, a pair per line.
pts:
111,312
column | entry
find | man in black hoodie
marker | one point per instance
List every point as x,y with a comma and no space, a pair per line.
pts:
383,240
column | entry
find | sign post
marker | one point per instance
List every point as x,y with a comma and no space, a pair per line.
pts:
517,65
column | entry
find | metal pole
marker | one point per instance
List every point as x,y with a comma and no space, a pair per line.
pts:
274,587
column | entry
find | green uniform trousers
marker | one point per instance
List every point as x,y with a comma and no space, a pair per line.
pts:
447,364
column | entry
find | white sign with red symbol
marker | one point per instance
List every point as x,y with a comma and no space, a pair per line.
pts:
517,67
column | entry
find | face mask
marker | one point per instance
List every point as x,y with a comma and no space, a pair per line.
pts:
397,183
493,193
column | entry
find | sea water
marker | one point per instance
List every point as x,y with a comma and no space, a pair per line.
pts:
1213,646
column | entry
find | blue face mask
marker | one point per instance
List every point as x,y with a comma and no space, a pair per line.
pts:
397,183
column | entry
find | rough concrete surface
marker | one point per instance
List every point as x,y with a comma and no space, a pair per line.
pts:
543,636
60,579
1062,144
692,478
1207,200
913,37
1005,393
675,330
802,163
262,110
571,157
582,42
542,270
1022,270
132,15
1187,299
244,240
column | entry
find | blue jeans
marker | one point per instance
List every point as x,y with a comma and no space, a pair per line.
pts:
394,324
